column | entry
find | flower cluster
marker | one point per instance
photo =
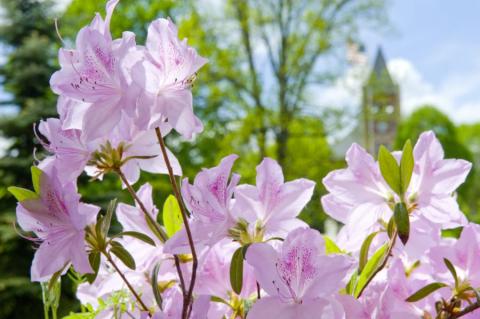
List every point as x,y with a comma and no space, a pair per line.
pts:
225,249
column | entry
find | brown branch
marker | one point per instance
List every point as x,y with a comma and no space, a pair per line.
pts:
467,310
154,223
188,299
125,280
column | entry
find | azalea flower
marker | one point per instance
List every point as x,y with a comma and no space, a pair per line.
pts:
71,152
167,74
213,278
463,253
299,277
360,198
58,219
172,306
272,206
93,73
385,297
209,201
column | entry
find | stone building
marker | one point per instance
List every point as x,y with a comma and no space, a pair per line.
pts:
380,114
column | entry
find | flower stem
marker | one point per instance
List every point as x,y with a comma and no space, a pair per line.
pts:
125,280
188,298
466,310
158,229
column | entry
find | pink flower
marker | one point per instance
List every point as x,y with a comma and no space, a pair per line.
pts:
272,204
93,73
167,74
209,201
433,182
214,272
360,198
385,297
133,219
298,277
172,305
71,152
58,219
141,143
463,253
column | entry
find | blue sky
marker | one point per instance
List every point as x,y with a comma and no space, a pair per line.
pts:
434,50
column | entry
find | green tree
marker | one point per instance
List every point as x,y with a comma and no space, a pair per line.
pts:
430,118
26,32
469,135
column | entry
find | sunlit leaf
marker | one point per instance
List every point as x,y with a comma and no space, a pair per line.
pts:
236,271
406,165
22,194
402,221
389,169
363,259
425,291
172,216
373,264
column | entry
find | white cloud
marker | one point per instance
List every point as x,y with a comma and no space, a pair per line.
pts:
457,95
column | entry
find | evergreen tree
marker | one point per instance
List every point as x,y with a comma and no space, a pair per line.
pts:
27,36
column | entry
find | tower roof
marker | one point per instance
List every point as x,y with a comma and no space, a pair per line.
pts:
380,70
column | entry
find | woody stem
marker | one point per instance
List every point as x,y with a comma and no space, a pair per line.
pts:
176,191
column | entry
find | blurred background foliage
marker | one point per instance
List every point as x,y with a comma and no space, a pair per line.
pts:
251,104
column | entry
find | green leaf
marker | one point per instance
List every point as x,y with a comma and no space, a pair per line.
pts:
22,194
352,284
452,270
172,216
390,169
363,259
94,259
402,221
220,300
331,247
236,271
371,267
425,291
156,290
118,250
107,220
452,232
156,229
406,165
391,228
36,174
136,235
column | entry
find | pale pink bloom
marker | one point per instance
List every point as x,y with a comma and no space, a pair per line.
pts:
298,277
214,272
93,73
133,219
434,181
141,143
58,219
71,151
273,203
360,198
173,305
463,253
166,74
384,298
209,201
